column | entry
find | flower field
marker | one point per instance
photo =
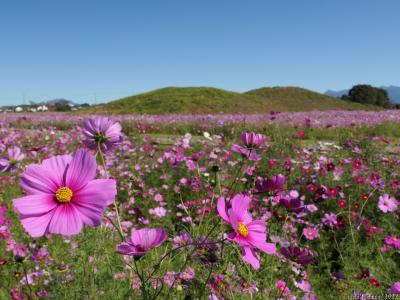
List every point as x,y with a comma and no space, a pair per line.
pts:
278,206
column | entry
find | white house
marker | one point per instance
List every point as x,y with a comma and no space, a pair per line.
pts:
42,108
18,109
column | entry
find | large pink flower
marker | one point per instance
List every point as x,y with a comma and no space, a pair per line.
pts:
62,195
142,240
247,233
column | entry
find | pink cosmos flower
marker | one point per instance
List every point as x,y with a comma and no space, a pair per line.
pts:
310,233
283,288
183,239
395,289
273,184
142,240
330,220
252,140
102,132
62,195
387,204
158,212
392,241
14,156
247,233
305,286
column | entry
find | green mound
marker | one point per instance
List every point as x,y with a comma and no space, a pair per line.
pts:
208,100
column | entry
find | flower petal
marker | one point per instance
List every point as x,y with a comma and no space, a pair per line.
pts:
250,257
221,208
98,192
65,220
90,215
268,248
81,170
240,205
37,226
148,237
33,205
128,249
58,166
38,180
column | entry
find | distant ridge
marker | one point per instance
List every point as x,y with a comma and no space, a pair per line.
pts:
207,100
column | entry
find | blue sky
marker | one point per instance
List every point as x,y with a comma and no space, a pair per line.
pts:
87,50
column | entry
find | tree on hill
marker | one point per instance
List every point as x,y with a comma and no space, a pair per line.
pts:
367,94
62,107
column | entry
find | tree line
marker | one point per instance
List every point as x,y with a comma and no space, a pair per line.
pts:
367,94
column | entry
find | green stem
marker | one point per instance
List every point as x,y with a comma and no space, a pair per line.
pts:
115,200
27,282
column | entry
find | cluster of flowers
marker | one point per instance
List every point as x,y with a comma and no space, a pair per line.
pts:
62,195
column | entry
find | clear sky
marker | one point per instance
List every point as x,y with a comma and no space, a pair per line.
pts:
84,50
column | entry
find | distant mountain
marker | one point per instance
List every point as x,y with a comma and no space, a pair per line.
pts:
205,100
393,91
336,94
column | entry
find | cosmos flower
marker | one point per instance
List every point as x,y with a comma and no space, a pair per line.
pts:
305,286
62,195
102,132
294,253
14,156
392,241
395,289
252,140
387,204
273,184
283,288
181,240
310,233
250,154
292,201
247,233
142,240
330,220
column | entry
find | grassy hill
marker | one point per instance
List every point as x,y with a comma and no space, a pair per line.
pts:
299,99
198,100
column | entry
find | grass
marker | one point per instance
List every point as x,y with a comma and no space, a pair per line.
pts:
204,100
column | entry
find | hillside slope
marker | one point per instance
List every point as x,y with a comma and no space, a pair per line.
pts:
207,100
299,99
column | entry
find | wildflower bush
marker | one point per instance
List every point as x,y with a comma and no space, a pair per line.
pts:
88,211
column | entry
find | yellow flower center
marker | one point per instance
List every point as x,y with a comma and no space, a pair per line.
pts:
309,233
64,194
243,230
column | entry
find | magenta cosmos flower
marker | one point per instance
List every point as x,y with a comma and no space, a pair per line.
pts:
62,195
395,289
247,233
387,204
310,233
102,132
252,140
142,240
273,184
